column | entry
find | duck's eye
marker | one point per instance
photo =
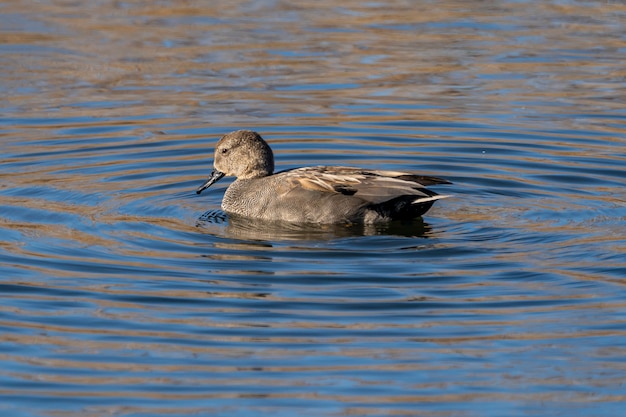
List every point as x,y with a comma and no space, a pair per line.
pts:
224,151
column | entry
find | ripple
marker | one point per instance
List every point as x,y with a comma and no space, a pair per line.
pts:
125,293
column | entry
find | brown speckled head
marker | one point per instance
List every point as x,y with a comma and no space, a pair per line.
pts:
243,154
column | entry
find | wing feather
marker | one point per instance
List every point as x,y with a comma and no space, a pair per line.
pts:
373,186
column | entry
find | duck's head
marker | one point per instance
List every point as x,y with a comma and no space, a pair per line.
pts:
242,154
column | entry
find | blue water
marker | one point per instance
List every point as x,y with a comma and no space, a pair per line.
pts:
126,294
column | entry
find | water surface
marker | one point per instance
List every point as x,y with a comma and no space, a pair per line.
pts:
124,293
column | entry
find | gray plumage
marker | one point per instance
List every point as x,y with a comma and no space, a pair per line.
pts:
321,194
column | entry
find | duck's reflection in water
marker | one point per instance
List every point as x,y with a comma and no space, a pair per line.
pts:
218,223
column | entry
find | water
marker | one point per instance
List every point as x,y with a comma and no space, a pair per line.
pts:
124,293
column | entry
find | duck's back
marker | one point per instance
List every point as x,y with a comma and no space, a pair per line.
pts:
332,195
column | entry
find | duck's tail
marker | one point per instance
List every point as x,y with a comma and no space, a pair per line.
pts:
422,200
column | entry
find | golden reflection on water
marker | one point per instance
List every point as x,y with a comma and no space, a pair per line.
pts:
267,57
114,290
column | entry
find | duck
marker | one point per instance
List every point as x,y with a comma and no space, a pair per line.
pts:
315,194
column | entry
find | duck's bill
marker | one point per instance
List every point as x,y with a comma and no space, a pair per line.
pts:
213,178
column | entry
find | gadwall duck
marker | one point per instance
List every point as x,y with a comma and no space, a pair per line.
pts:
321,194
